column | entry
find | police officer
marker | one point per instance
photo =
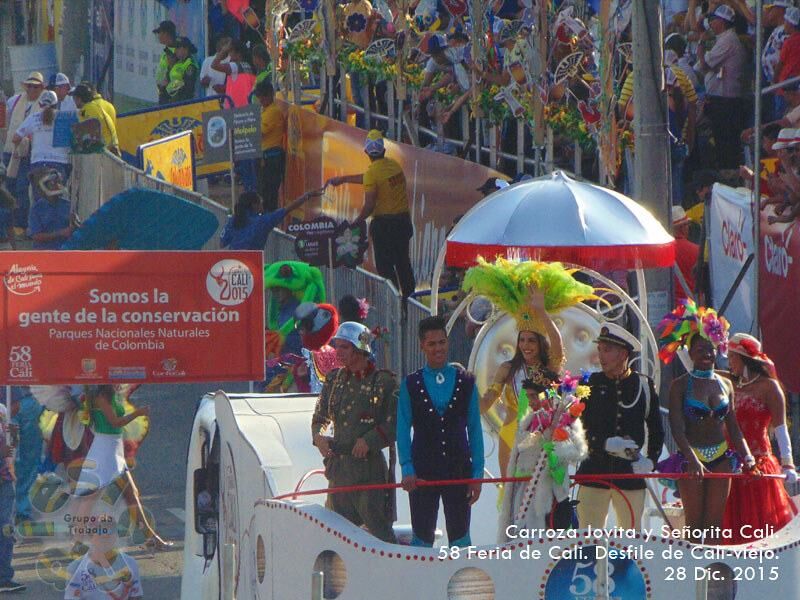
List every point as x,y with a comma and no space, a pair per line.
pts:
360,402
623,429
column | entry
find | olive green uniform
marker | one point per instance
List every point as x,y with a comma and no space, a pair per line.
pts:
359,407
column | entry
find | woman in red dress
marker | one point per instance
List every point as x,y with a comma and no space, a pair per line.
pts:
759,507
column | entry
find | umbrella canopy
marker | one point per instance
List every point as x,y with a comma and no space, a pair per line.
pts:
556,218
143,219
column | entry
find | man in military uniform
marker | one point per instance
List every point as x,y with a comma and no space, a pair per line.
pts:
624,431
360,402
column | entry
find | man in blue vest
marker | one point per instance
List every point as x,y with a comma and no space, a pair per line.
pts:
440,402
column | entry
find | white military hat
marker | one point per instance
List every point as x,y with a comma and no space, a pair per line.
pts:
616,334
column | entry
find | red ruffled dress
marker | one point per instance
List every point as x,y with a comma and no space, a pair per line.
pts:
756,502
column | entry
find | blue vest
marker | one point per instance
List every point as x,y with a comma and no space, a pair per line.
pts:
440,448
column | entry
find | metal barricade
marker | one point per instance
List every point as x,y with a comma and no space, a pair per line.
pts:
384,299
97,177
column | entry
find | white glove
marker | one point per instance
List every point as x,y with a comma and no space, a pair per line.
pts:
642,466
791,474
621,447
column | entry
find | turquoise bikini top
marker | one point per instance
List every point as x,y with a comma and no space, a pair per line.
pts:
697,410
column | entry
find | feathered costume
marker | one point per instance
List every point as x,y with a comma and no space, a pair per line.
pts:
507,284
681,325
65,423
317,324
306,284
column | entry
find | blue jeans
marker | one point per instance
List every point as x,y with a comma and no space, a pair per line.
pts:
248,173
6,518
678,154
20,192
29,453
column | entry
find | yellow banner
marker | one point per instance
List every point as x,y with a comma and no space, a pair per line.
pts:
170,159
140,127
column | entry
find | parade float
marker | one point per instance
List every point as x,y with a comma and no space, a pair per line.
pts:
268,535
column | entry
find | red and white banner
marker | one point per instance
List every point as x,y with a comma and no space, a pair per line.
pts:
730,237
779,301
119,316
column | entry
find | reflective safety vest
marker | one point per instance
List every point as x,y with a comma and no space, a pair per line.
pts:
177,75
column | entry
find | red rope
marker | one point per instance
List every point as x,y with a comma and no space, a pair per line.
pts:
605,478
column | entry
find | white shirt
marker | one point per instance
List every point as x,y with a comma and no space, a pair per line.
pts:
726,62
216,77
42,149
68,105
122,574
772,52
456,56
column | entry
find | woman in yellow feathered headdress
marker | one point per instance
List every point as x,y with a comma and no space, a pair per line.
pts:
527,291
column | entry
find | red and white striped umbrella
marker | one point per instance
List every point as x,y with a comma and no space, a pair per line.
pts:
556,218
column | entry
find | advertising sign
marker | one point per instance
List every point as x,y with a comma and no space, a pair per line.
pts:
139,127
241,125
779,302
324,242
122,316
730,236
170,159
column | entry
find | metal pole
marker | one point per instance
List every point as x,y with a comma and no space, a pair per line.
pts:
232,171
317,585
367,106
548,153
342,95
478,140
520,146
493,146
756,202
390,108
578,160
651,170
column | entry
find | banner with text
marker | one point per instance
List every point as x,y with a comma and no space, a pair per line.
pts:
730,236
120,316
440,187
143,126
170,159
779,302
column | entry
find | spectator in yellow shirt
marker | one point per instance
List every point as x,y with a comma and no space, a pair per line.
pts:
90,107
273,163
386,201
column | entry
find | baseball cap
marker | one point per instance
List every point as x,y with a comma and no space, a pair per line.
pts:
82,91
724,12
58,79
34,78
792,16
373,145
48,98
166,27
184,42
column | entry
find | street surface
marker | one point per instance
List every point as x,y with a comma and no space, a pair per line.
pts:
160,475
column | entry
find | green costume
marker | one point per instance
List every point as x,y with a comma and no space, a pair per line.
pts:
304,281
359,405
